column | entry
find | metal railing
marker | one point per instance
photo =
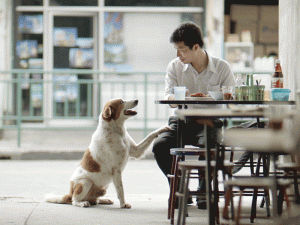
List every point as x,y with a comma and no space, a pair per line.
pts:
73,99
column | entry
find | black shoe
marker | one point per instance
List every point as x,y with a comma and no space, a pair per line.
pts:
201,204
189,202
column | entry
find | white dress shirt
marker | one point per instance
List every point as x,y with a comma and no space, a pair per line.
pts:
218,73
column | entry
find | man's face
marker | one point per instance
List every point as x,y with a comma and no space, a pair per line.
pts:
185,54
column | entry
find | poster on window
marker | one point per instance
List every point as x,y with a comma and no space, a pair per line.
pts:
36,92
65,88
25,81
35,63
115,53
81,58
27,49
113,28
65,36
30,24
84,42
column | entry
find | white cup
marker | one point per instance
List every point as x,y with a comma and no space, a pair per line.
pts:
179,92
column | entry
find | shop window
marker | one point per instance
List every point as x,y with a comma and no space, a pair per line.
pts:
29,55
31,2
73,44
73,2
182,3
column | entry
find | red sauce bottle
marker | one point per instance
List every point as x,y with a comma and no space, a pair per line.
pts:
277,79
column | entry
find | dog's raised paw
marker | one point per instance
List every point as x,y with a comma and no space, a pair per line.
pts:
126,206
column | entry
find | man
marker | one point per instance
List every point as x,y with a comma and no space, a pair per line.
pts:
199,73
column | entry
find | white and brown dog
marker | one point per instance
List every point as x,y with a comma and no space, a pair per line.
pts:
106,157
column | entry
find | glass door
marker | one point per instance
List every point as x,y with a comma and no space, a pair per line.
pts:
74,38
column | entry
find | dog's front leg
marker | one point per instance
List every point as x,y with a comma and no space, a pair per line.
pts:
117,177
137,151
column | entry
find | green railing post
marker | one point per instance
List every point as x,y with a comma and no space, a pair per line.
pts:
19,107
146,103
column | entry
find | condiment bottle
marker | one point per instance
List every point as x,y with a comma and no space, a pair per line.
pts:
238,82
277,79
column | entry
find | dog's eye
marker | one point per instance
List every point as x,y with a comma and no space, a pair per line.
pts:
122,102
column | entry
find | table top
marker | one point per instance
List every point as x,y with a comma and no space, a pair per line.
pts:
217,113
224,113
260,140
218,102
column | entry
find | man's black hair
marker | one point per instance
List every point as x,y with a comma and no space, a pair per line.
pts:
189,33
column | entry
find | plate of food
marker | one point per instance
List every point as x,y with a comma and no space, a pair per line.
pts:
199,97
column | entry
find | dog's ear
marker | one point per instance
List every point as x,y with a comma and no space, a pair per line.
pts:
107,113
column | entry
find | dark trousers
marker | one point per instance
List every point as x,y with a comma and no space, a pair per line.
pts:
193,135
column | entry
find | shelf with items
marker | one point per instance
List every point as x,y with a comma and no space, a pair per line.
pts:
71,51
29,43
239,55
29,55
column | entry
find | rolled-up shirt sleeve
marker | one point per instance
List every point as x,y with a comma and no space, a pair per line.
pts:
170,81
228,76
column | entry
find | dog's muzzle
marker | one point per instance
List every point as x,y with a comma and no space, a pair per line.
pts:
131,112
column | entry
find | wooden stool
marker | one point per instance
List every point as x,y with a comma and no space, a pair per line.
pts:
178,156
267,183
288,169
183,194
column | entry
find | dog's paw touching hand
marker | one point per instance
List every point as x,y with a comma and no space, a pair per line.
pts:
161,130
126,206
164,129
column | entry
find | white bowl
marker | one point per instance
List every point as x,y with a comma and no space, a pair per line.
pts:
217,95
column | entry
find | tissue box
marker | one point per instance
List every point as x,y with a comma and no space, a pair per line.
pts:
280,94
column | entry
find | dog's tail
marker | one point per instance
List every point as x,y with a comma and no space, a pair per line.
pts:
60,199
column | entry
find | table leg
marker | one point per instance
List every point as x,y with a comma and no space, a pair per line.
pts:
180,133
207,133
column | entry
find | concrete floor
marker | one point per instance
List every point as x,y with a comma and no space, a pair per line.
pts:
25,182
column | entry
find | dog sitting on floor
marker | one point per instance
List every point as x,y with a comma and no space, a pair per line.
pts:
103,162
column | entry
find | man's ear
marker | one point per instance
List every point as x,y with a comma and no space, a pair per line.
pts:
196,46
107,112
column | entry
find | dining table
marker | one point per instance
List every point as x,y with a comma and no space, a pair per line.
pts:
184,113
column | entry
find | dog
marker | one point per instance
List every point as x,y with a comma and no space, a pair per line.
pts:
105,159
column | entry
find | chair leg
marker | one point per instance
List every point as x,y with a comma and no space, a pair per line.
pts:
228,197
238,217
267,197
184,194
170,202
255,192
180,199
266,167
296,187
280,200
216,203
253,207
174,188
286,198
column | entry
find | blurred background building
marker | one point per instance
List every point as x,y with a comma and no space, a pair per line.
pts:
62,59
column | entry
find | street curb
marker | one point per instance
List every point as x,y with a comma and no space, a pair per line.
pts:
50,155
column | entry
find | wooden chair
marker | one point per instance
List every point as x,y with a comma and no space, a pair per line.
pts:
291,170
266,183
179,155
183,194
